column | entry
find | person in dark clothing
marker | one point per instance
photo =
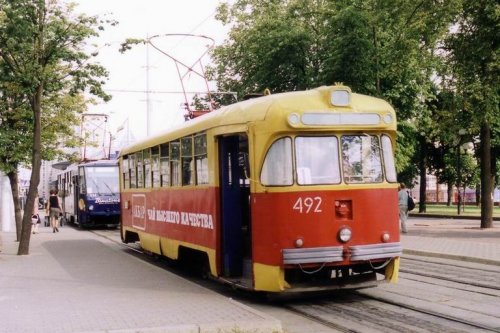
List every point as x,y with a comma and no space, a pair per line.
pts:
54,210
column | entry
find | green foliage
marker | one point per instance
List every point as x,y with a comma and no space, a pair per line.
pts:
42,47
44,72
387,49
129,43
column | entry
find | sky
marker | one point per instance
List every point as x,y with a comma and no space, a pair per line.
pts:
131,73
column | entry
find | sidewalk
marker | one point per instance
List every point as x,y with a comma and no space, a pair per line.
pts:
452,239
76,281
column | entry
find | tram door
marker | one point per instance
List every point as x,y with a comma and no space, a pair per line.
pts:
235,210
76,194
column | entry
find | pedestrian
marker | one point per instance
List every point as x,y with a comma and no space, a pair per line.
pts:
54,210
403,207
35,216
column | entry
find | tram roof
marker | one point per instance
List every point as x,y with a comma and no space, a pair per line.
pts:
99,163
256,109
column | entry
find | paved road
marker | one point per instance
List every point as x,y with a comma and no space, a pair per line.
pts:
76,281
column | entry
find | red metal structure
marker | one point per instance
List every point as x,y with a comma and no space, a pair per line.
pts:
184,70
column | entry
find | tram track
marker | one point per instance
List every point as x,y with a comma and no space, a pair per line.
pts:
453,273
434,314
359,313
425,315
384,310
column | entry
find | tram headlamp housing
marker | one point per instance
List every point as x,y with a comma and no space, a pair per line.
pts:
299,242
385,237
293,119
387,118
344,234
341,97
91,207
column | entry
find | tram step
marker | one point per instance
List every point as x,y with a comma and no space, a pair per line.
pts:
247,268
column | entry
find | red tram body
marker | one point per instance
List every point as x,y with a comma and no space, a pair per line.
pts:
282,193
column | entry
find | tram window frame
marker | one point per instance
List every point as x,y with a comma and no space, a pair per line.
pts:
132,164
155,166
140,169
187,161
125,172
164,165
310,173
148,180
175,166
81,180
388,159
70,182
359,177
201,159
274,167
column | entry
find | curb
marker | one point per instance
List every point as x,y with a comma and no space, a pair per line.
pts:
451,217
451,256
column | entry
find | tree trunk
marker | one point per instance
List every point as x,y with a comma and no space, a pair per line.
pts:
14,187
423,176
478,195
486,178
36,163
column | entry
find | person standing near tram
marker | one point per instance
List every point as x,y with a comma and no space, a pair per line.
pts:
403,207
54,210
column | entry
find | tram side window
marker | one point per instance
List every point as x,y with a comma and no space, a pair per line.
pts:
147,168
187,160
361,159
175,165
200,155
389,166
65,186
70,183
140,169
277,168
81,180
155,165
317,160
164,165
125,172
132,164
60,184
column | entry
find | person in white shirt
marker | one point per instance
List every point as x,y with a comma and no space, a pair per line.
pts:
403,207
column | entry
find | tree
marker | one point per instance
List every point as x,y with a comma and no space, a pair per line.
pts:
42,59
474,54
269,48
378,48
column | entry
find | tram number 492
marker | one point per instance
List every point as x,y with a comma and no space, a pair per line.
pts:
308,205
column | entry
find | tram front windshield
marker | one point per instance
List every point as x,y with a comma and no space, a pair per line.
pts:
320,160
102,180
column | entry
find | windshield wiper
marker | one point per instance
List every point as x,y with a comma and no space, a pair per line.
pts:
96,186
109,188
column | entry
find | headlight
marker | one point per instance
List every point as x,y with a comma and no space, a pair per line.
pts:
345,235
387,119
299,242
385,237
293,119
91,207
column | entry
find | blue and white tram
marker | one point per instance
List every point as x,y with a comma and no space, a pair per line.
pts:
90,193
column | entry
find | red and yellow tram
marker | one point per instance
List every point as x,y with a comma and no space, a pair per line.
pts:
287,192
